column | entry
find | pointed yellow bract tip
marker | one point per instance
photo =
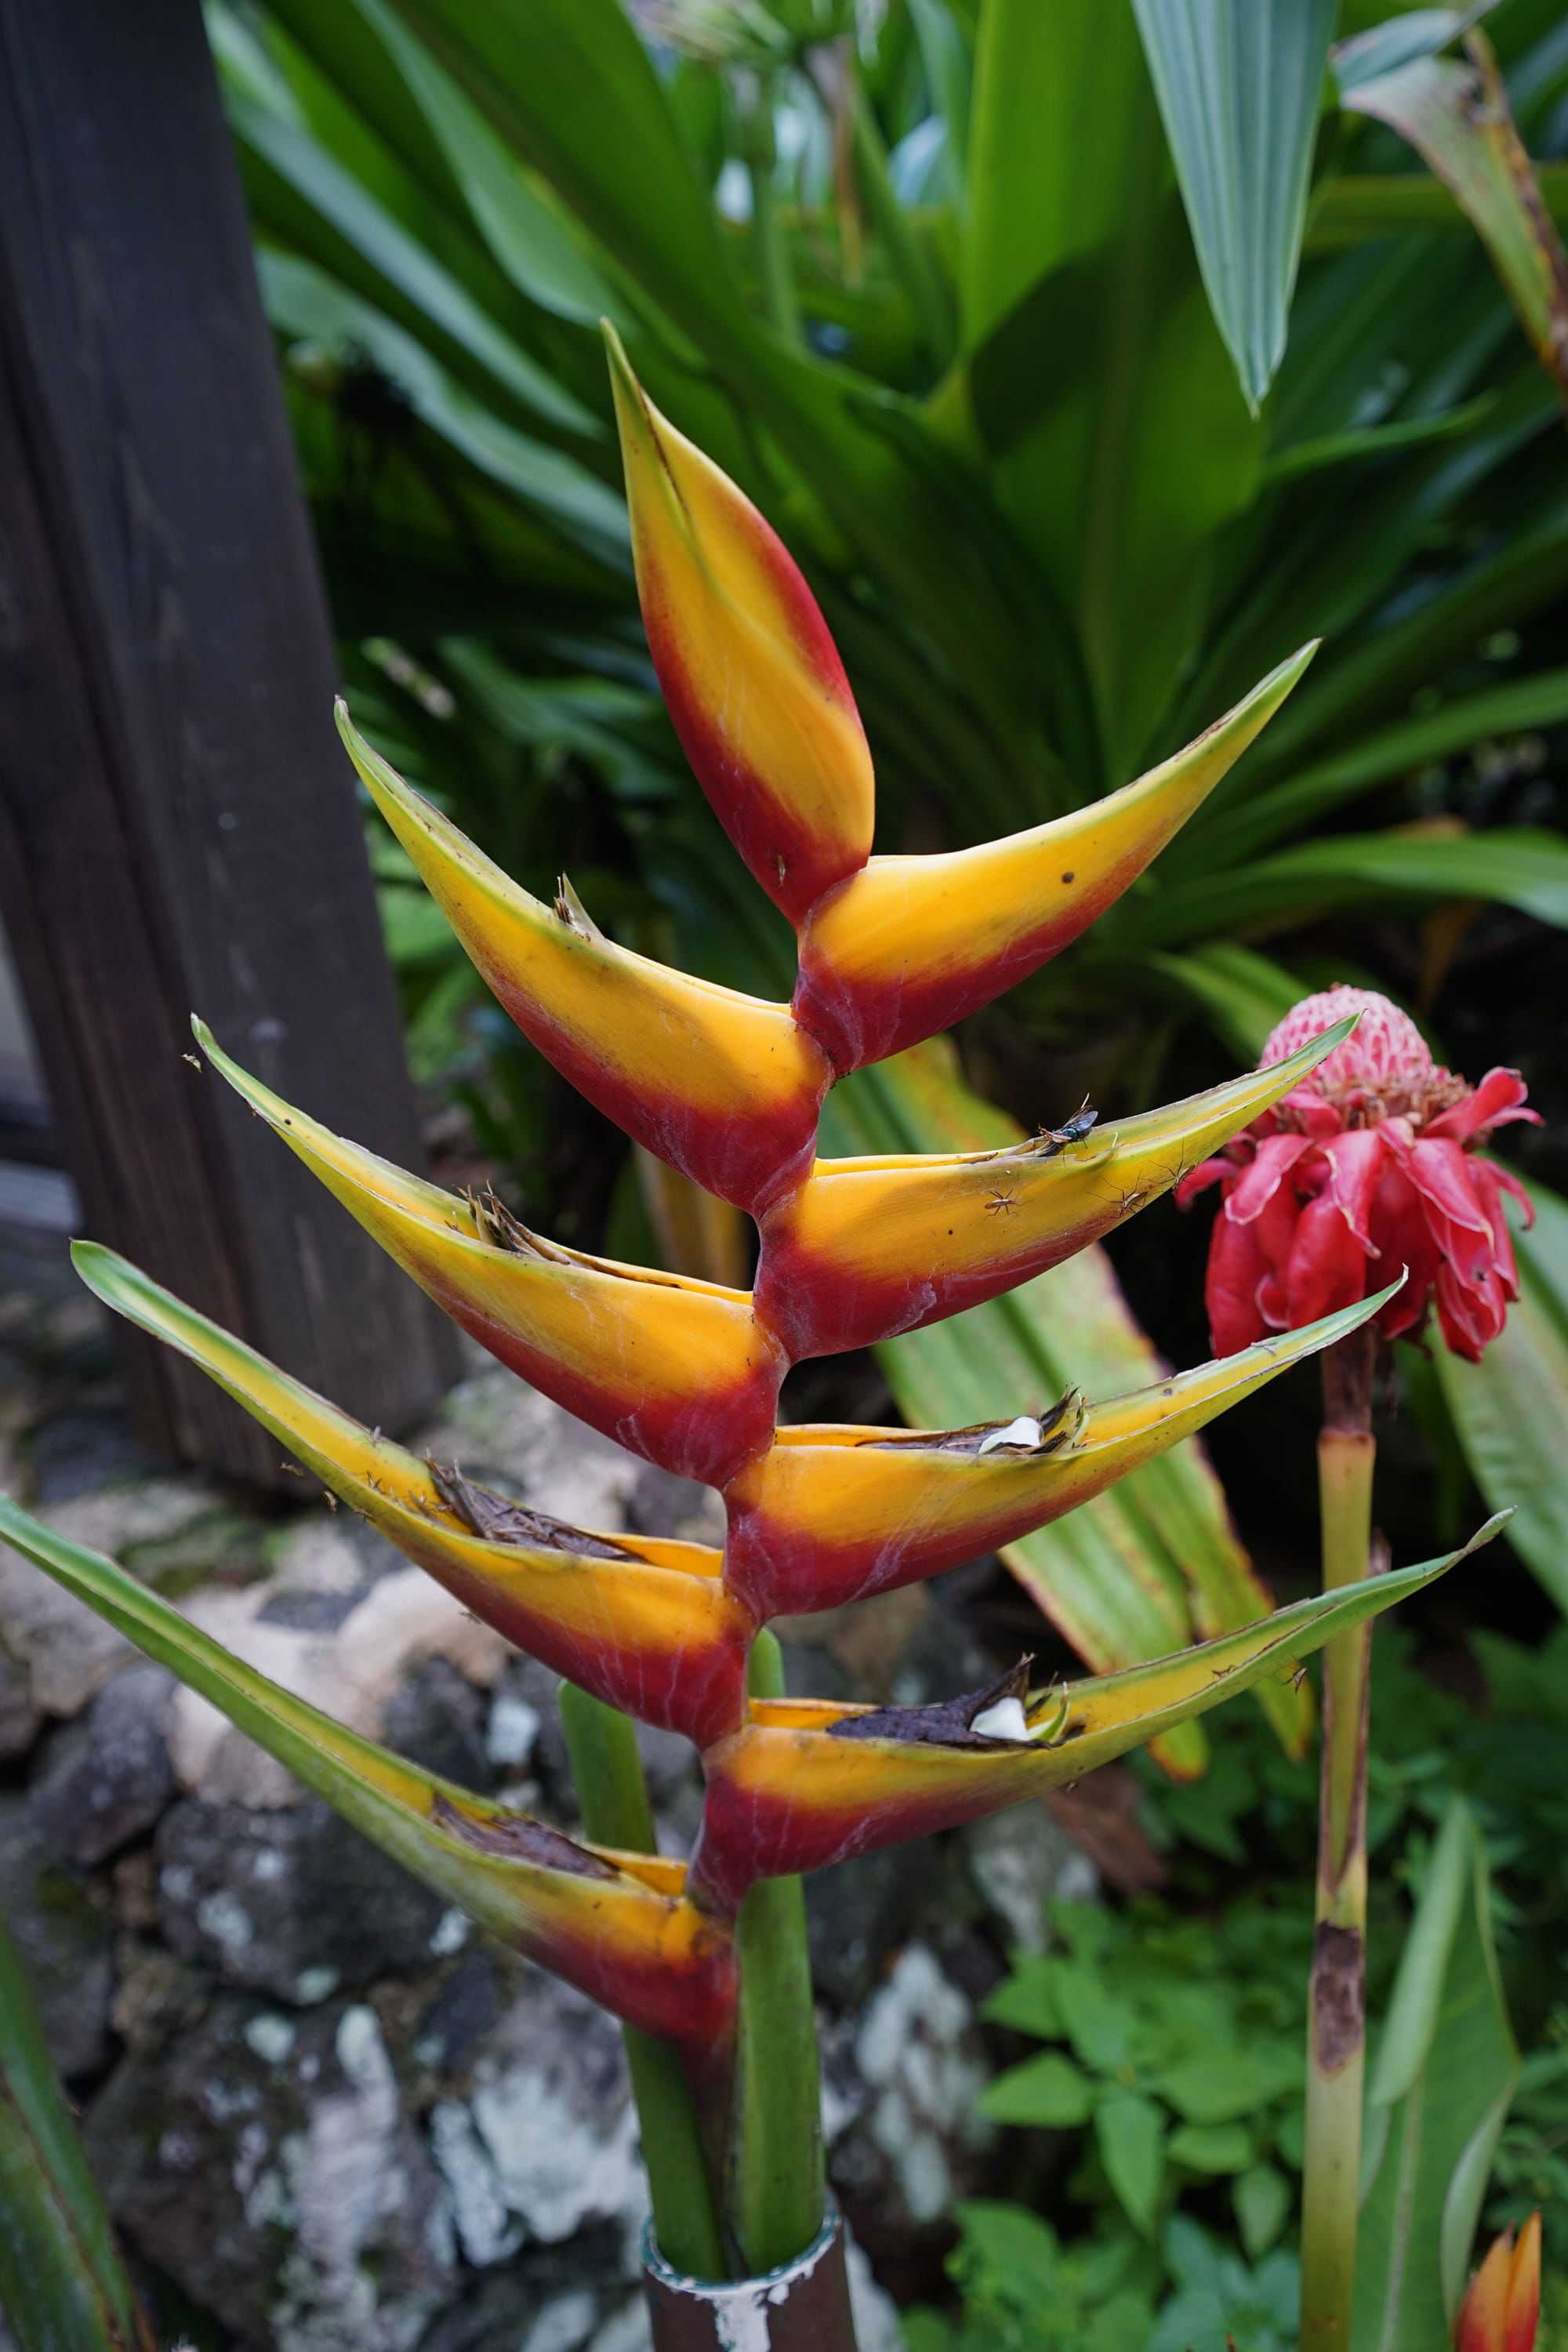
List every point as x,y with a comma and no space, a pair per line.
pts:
909,946
750,675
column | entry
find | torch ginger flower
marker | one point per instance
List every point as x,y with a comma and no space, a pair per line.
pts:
1501,2310
1368,1162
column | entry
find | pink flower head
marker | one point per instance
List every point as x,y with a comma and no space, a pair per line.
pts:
1367,1166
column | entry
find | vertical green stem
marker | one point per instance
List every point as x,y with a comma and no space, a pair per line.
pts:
780,2189
613,1796
759,149
912,265
1336,2024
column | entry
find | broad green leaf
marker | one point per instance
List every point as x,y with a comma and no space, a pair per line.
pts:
945,60
1370,681
1261,2197
1057,118
1418,33
1096,377
1518,867
1027,2000
1437,2096
303,301
1352,208
1372,441
1102,2025
62,2284
1116,1574
1512,1409
1245,995
1047,2090
572,92
1225,2085
1238,83
569,85
1247,822
522,229
1130,2131
1211,2147
1456,117
398,260
1345,553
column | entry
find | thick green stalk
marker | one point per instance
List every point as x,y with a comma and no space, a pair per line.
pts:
1336,2034
613,1796
780,2187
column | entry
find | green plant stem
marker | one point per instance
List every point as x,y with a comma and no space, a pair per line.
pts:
759,149
780,2188
1336,2036
613,1797
910,263
61,2280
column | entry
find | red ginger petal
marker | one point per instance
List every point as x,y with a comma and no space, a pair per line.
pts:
1236,1268
1400,1229
1356,1161
1276,1157
1495,1102
1328,1265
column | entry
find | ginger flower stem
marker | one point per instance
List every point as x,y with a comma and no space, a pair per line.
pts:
613,1795
780,2189
1336,2023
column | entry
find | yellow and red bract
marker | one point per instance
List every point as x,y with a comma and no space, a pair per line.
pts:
832,1513
864,1249
751,679
911,945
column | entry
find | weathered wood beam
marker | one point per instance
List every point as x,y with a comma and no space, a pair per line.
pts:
178,828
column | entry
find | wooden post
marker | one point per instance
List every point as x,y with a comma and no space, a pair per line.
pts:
178,824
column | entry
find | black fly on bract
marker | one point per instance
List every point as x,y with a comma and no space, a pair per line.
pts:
1050,1140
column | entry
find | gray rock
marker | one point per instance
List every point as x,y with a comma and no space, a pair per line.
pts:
64,1941
436,1718
571,2294
79,1454
68,1650
268,2166
463,2011
293,1903
20,1720
660,1503
106,1778
1019,1860
554,2132
907,2139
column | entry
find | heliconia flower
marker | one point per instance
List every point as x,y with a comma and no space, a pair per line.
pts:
725,1087
642,1621
832,1513
750,677
807,1782
865,1248
911,945
1367,1165
678,1370
1502,2307
617,1926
